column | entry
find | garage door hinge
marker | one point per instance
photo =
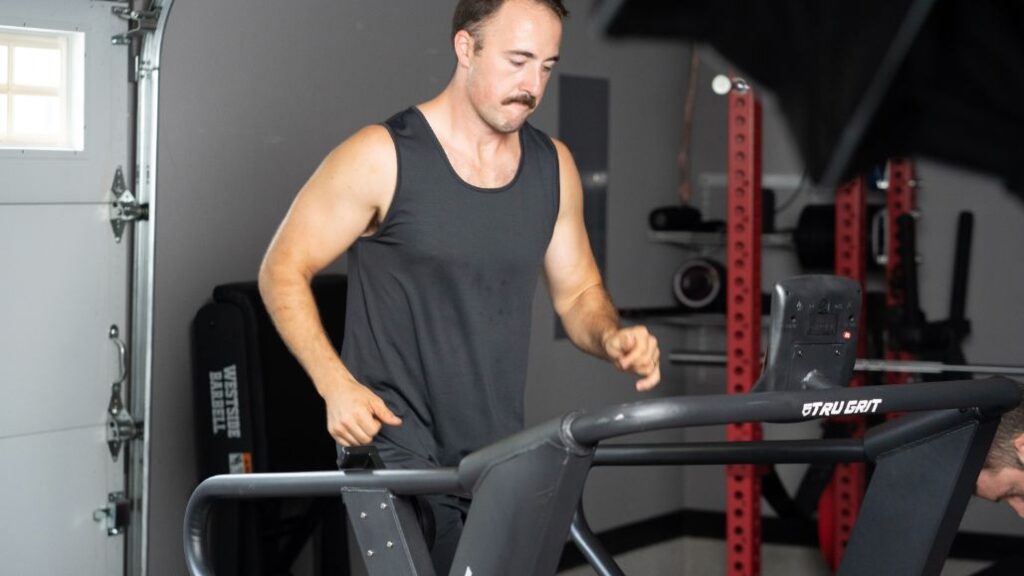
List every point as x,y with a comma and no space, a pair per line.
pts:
125,208
121,427
115,514
140,22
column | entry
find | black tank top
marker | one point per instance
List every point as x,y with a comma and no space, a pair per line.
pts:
440,297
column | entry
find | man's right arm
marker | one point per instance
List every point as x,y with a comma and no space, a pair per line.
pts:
345,198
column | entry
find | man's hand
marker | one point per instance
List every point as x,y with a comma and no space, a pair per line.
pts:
355,414
634,349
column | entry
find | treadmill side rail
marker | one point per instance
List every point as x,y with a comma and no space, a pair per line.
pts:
534,490
915,501
389,537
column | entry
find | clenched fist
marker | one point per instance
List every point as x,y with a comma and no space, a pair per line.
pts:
355,414
635,350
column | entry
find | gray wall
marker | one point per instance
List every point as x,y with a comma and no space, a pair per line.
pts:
255,93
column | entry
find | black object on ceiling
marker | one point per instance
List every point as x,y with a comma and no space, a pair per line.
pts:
863,81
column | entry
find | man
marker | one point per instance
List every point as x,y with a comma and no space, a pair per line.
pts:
448,212
1002,477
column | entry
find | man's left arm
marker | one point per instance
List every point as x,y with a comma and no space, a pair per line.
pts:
579,296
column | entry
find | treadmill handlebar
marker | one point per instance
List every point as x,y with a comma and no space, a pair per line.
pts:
998,394
296,484
584,431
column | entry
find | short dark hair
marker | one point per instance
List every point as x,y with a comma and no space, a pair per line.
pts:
470,15
1002,454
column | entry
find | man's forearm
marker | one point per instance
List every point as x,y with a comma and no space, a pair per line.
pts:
590,319
289,301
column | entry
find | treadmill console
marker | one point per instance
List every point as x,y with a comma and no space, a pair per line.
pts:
812,343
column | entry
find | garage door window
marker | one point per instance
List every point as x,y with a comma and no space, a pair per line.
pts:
41,89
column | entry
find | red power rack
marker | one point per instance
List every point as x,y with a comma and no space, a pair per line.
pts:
743,322
841,500
840,503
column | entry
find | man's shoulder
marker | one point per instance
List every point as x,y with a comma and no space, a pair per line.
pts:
370,144
561,149
370,136
383,135
366,161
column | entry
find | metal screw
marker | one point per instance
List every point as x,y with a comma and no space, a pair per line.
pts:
740,85
369,552
391,544
837,352
383,506
362,514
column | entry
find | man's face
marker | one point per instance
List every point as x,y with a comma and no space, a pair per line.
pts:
507,77
1003,485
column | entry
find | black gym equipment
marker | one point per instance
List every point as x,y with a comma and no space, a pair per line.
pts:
937,341
526,489
699,285
257,411
814,237
689,219
680,218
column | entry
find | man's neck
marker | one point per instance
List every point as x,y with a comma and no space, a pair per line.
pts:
458,125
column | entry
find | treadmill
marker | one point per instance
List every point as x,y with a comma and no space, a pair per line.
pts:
526,489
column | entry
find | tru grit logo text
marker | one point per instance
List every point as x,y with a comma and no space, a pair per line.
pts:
841,407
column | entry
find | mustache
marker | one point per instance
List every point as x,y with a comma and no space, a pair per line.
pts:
528,99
